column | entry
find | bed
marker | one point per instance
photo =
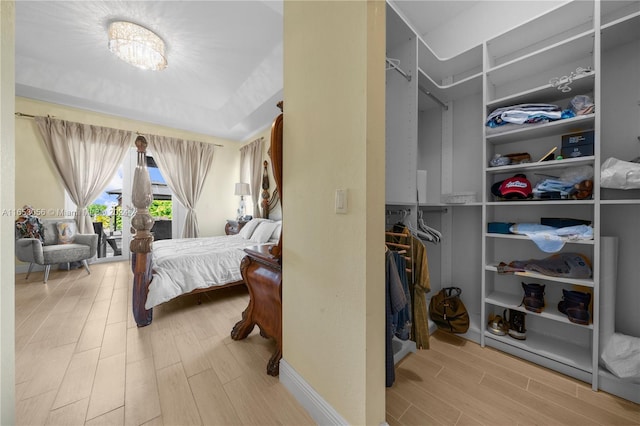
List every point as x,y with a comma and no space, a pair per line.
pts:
167,269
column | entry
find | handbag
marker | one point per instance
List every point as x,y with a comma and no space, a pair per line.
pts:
448,312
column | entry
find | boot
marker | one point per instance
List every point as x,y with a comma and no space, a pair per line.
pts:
515,319
575,305
533,297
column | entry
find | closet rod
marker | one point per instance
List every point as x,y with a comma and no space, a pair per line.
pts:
427,209
432,96
393,63
403,211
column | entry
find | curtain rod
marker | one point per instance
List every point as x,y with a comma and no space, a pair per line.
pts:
20,114
432,96
143,134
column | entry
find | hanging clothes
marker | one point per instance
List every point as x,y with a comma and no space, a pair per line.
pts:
421,286
395,301
419,282
402,319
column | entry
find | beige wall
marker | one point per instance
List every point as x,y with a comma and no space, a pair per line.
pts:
333,264
37,183
7,278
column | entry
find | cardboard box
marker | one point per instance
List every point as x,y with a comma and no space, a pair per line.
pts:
582,138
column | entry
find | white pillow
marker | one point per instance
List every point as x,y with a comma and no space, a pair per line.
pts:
263,232
275,236
247,230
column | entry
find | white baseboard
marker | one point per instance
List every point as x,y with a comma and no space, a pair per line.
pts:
316,406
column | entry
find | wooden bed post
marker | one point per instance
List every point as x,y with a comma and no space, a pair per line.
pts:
276,163
140,246
265,190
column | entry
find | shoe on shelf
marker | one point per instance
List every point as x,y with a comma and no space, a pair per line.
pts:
533,297
515,319
497,325
575,305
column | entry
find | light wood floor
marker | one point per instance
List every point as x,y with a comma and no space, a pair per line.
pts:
457,382
81,360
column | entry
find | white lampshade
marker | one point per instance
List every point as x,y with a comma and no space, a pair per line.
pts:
242,189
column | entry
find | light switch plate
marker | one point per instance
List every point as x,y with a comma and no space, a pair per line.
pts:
341,201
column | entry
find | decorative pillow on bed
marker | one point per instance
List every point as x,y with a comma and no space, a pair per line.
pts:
263,232
247,230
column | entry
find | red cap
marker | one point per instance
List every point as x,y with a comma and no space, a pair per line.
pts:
516,186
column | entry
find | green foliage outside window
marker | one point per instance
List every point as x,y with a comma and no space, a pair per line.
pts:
159,209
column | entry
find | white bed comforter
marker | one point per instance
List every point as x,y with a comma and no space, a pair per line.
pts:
183,265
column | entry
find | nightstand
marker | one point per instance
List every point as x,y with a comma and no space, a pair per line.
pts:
234,226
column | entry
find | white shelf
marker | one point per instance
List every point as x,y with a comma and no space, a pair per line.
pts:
558,24
620,202
567,51
535,131
534,275
621,31
524,237
582,84
449,92
542,165
530,203
457,68
555,349
510,301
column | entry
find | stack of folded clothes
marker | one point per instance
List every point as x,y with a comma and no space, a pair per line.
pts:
524,114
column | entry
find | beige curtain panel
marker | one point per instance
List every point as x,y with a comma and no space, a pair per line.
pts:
86,158
251,167
184,164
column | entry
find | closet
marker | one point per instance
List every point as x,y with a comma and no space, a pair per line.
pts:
438,163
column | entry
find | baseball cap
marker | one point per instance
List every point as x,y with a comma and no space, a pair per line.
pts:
517,187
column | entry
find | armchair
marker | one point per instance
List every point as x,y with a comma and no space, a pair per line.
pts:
32,250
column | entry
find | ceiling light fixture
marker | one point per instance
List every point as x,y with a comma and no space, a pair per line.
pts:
137,45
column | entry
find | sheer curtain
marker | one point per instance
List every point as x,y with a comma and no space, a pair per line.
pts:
184,165
86,157
251,166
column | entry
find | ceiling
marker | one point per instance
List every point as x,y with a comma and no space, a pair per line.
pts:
224,75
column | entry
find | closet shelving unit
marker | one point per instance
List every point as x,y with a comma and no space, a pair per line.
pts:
576,34
519,66
433,115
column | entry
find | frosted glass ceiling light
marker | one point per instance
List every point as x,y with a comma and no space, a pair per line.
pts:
137,45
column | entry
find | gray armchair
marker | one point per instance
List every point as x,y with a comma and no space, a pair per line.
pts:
32,250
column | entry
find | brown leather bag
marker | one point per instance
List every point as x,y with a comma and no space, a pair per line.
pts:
448,312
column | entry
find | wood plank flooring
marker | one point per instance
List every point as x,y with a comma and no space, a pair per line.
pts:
81,360
457,382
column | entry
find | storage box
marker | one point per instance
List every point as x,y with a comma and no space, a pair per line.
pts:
459,198
577,151
561,222
499,227
582,138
